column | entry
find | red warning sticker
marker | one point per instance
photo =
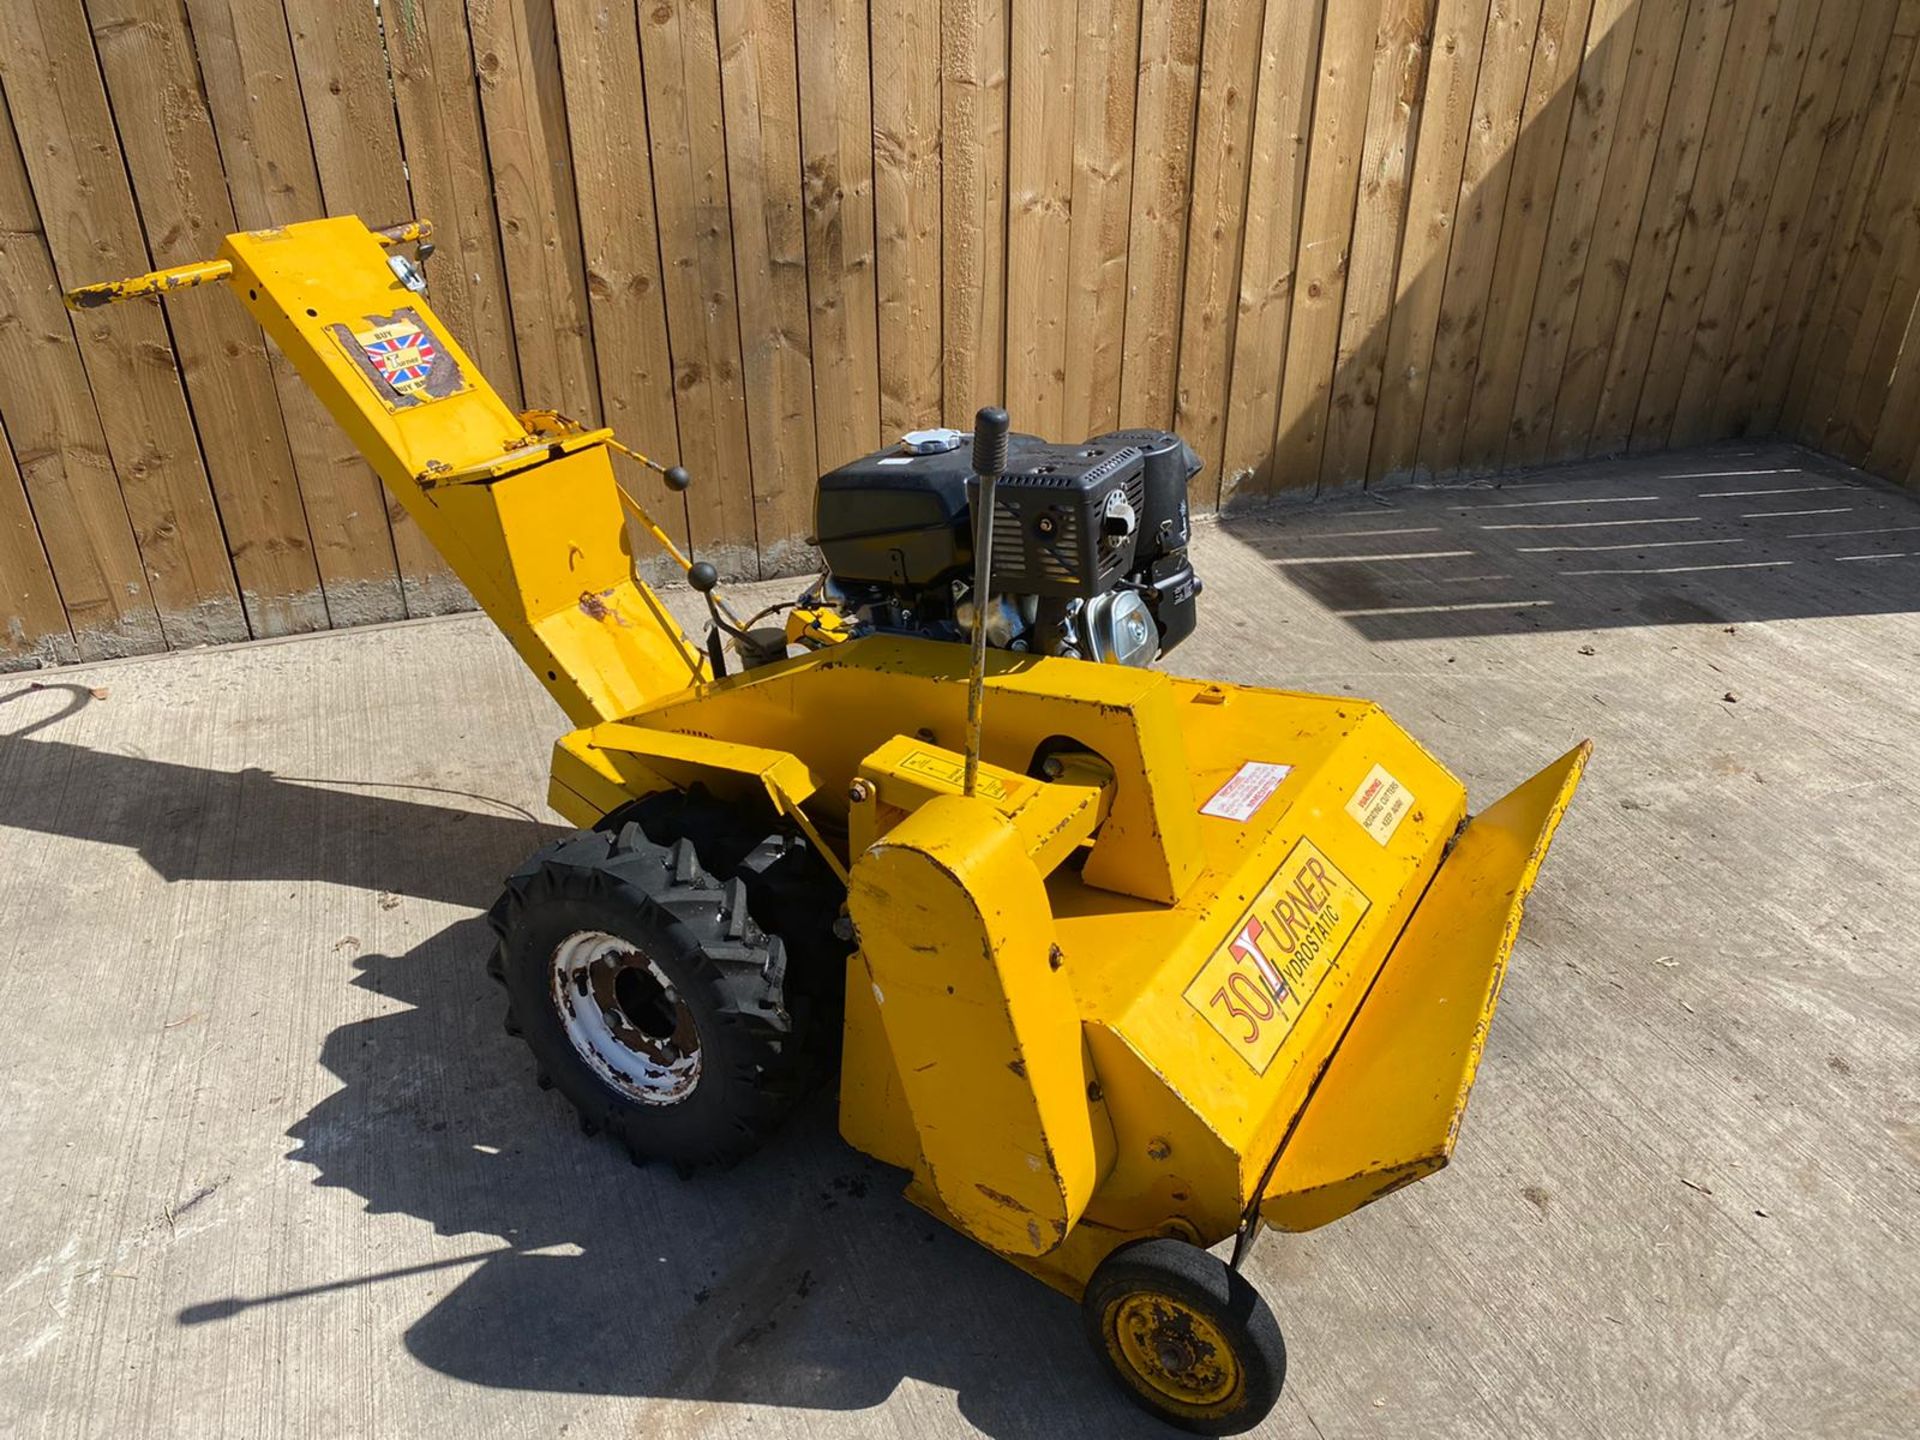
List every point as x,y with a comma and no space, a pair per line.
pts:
1247,791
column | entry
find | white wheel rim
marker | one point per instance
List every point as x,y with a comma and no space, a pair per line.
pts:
624,1018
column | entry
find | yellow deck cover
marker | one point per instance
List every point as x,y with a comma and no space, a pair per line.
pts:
1388,1108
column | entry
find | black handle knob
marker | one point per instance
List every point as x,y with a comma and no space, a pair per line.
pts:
990,441
677,477
702,576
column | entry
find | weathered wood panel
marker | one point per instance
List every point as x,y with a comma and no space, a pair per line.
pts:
1040,131
246,64
35,628
1400,67
1340,128
166,136
761,91
607,129
1332,244
1106,61
1525,229
1230,60
1599,111
87,214
341,63
681,50
62,457
1163,165
906,210
973,206
1276,186
517,57
836,151
1446,122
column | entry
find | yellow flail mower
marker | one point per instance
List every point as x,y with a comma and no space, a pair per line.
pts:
1117,966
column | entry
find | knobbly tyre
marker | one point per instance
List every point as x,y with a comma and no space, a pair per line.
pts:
1117,966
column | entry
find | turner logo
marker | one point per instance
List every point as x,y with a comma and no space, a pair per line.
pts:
1254,989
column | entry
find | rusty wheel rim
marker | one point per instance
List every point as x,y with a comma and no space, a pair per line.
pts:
624,1018
1173,1351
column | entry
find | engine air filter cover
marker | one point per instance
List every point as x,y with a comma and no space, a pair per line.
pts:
1066,518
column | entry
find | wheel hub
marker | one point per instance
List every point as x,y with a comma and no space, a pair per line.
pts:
624,1018
1174,1349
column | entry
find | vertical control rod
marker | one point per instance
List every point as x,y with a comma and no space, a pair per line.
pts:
989,461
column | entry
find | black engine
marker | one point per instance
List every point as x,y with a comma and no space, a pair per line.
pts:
1089,543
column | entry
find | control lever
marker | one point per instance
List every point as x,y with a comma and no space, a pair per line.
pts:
989,463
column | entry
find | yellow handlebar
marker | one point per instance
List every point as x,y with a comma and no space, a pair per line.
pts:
202,272
156,282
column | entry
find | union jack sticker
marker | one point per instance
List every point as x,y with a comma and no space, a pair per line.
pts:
401,353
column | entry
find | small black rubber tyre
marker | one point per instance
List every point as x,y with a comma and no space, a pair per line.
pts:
1187,1337
648,995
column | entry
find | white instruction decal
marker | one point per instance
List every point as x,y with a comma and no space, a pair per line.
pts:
1380,804
1247,791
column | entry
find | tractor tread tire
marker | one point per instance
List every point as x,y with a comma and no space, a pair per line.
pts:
698,930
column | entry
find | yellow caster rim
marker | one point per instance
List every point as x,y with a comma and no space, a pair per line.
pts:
1174,1351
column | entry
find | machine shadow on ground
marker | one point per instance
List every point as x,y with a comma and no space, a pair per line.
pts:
1716,536
799,1278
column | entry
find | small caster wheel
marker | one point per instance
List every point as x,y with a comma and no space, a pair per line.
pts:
1189,1339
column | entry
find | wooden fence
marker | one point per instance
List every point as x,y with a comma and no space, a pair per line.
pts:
1331,241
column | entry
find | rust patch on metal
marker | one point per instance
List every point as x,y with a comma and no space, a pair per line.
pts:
1006,1202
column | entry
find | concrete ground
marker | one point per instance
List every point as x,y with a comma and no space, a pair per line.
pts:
269,1166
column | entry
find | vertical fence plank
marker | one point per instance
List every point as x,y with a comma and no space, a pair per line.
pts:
1486,173
906,208
1716,212
836,150
1875,298
1433,200
1805,394
1276,183
1538,155
680,48
1895,450
1230,59
437,97
166,136
1039,220
1597,111
57,440
760,91
1764,158
607,130
1668,196
517,56
67,138
246,65
1827,108
1623,201
1347,47
1163,164
973,206
341,62
1106,66
33,626
1400,65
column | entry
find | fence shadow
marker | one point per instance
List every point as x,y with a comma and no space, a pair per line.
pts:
1721,535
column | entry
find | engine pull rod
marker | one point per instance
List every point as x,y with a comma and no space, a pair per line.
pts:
989,462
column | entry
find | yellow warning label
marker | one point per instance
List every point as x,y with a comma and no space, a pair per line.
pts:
1255,987
948,771
1380,804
